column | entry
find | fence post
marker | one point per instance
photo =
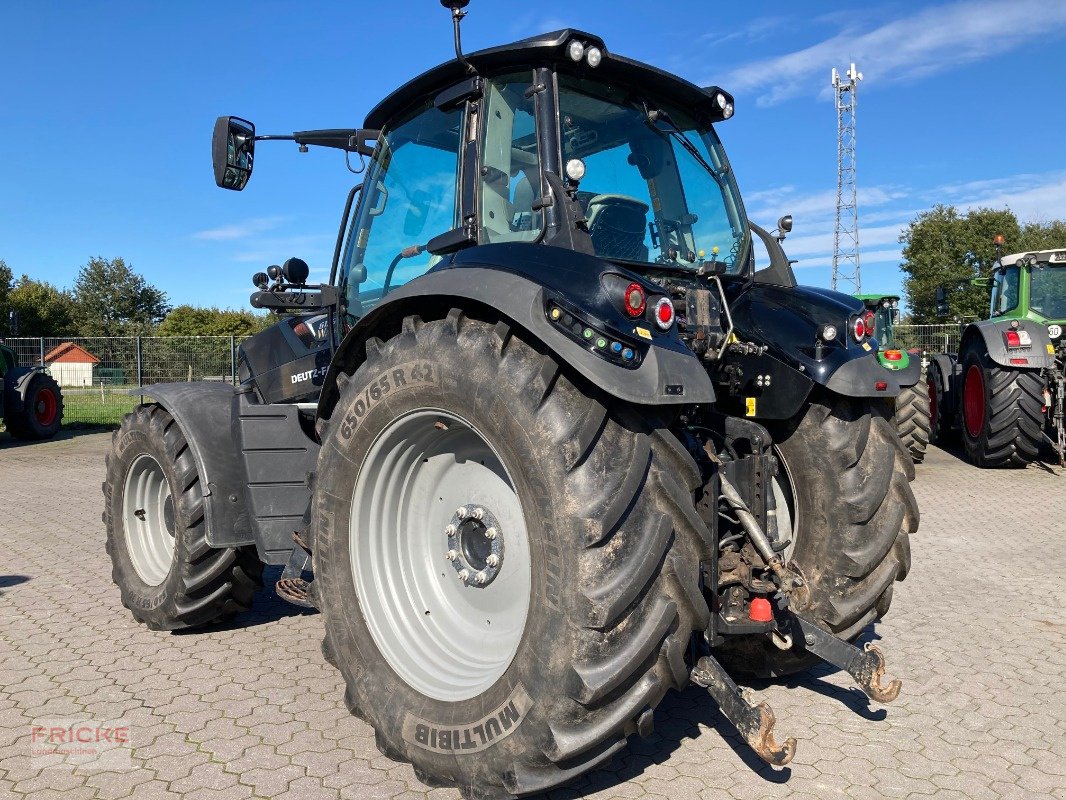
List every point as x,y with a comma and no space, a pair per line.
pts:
140,369
232,360
42,350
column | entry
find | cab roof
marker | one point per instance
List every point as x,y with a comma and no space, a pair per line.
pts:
1055,257
542,50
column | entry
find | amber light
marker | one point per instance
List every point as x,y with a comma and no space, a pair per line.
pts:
893,355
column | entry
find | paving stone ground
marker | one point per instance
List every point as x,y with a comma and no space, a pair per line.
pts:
252,709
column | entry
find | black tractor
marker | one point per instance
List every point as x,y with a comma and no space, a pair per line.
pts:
545,446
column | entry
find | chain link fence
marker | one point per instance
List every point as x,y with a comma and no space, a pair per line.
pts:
929,338
96,374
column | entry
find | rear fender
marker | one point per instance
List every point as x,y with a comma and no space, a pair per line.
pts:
1039,355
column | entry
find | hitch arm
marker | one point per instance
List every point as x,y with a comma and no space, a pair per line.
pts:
755,722
866,666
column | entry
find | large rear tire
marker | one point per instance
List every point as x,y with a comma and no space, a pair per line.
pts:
1002,411
847,481
42,411
912,419
536,672
168,575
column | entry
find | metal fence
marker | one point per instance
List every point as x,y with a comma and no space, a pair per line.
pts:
929,338
97,373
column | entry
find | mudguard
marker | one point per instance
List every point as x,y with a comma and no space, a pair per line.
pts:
1039,355
203,410
669,372
16,384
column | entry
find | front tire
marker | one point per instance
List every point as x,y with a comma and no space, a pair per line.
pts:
42,411
1002,412
913,421
847,478
593,506
168,575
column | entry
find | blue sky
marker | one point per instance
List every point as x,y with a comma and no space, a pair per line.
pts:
106,111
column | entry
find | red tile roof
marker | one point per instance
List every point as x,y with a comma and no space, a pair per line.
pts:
70,353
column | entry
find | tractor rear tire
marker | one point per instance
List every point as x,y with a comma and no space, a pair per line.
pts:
1002,412
168,575
522,674
940,430
912,419
852,511
42,411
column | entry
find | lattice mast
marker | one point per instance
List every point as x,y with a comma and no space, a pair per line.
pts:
846,231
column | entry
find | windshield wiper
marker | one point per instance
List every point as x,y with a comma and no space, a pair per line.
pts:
654,115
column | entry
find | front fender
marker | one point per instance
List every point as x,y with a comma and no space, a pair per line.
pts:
1039,355
664,376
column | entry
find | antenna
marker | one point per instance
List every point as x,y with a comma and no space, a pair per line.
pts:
457,7
846,230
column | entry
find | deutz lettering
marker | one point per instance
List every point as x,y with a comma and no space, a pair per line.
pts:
472,737
317,372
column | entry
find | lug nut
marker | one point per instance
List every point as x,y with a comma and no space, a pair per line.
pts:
481,577
491,533
479,513
451,555
450,530
464,575
461,512
493,560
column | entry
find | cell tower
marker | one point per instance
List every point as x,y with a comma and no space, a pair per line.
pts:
846,231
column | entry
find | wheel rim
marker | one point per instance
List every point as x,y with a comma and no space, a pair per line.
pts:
934,409
148,519
784,500
414,529
973,401
45,407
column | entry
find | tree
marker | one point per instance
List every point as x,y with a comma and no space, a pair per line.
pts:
188,320
43,309
1044,235
943,248
113,300
6,284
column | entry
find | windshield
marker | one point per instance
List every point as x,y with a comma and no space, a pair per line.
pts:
1047,291
657,188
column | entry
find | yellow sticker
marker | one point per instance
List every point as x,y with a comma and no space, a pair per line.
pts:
1051,349
749,402
866,347
643,333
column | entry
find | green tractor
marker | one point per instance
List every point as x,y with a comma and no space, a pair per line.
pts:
1004,389
31,403
912,405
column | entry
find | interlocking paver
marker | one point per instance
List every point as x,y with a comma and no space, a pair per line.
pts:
251,709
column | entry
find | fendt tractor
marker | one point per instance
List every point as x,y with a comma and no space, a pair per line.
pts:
31,402
1005,389
545,446
912,406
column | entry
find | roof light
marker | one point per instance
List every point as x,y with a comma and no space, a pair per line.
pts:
575,169
664,313
594,56
721,101
828,333
998,239
576,50
636,300
727,112
895,304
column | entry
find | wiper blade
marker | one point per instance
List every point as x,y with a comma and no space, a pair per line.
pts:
654,115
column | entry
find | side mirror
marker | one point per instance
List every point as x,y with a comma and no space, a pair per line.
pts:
232,152
13,322
941,302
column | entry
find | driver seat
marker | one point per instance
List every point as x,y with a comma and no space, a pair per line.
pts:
617,224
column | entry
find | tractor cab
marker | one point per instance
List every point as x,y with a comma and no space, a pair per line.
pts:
1031,286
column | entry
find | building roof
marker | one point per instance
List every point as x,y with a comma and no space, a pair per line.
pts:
70,353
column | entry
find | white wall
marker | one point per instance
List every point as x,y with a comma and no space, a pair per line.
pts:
68,373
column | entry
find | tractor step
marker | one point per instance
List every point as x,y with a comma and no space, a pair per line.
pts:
753,721
292,586
866,666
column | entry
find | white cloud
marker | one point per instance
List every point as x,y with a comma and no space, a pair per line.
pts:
913,47
239,230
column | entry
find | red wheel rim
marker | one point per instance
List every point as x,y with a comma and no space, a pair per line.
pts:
46,407
973,401
930,386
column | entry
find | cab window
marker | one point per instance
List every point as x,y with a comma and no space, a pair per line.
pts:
408,198
1005,291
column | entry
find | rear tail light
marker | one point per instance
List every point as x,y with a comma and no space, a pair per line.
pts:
664,313
893,355
858,329
635,300
1013,340
881,386
1018,338
868,323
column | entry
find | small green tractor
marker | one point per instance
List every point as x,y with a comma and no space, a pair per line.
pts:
1004,389
912,406
31,403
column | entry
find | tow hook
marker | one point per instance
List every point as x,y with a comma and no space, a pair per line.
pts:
866,666
754,721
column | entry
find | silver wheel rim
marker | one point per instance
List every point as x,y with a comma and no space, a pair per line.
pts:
784,494
148,519
448,639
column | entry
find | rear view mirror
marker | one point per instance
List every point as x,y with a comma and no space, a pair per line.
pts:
941,302
232,151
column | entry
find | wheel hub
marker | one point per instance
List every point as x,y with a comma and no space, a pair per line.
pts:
475,545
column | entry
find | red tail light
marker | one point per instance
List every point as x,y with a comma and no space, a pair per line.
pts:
635,300
858,329
1013,339
868,323
893,355
881,386
664,313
